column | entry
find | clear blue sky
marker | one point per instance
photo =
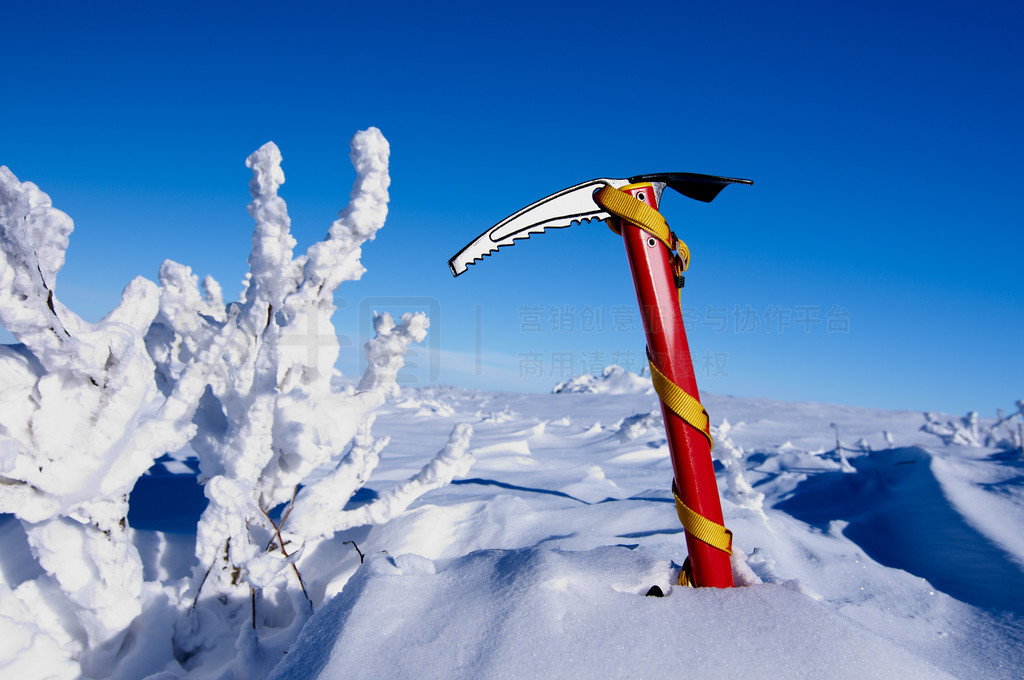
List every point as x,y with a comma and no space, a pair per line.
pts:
875,261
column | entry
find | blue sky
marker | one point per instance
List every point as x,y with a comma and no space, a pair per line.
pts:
874,262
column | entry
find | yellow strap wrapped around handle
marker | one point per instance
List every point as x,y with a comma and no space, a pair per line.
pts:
625,206
632,210
681,403
702,528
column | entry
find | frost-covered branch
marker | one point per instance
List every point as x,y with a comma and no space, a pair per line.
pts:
319,509
35,237
356,224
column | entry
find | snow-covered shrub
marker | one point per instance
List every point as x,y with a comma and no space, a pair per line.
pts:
80,422
85,409
731,456
271,418
838,454
1004,433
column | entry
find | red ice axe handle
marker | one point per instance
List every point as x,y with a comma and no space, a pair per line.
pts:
651,263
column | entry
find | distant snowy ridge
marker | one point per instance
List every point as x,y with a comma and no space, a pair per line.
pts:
613,380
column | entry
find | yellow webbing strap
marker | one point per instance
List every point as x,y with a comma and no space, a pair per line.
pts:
635,211
686,574
680,402
624,206
701,528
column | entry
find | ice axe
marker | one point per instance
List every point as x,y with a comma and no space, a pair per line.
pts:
657,259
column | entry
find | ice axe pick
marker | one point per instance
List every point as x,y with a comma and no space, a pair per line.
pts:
657,259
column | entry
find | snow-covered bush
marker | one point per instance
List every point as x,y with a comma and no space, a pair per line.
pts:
731,455
1004,433
85,409
271,417
79,424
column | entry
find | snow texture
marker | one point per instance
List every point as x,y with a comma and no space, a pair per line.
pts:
544,613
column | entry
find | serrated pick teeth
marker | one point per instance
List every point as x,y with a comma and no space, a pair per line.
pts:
518,237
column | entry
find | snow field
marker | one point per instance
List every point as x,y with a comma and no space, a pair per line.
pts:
555,489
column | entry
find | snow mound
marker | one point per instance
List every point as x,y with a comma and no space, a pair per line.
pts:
614,380
547,613
638,425
900,507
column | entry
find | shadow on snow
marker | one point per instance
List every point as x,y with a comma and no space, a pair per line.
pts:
899,514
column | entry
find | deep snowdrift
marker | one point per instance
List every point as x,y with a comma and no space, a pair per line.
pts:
544,613
541,559
538,562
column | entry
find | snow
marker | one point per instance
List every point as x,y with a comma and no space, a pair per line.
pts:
537,562
613,380
189,495
856,547
541,612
